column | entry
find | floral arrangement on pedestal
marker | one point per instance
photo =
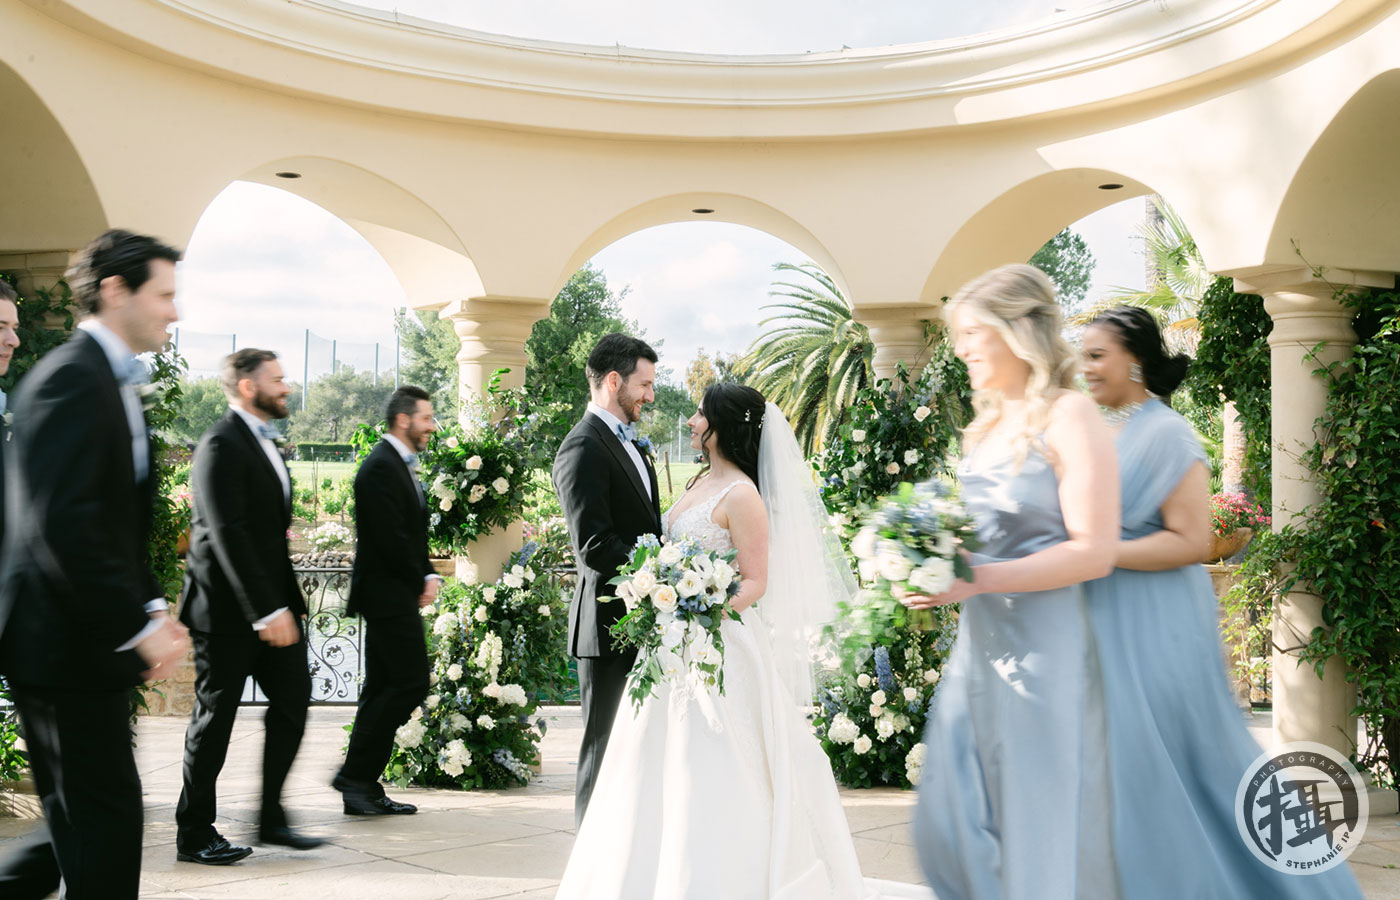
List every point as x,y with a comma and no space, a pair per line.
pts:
896,431
494,651
1233,518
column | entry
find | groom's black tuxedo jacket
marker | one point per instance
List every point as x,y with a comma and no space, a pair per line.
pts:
391,549
607,508
75,579
238,569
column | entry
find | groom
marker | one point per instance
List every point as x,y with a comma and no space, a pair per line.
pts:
608,490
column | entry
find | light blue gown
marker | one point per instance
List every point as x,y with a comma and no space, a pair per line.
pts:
1011,799
1178,745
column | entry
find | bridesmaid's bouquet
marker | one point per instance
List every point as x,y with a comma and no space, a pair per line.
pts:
676,595
910,543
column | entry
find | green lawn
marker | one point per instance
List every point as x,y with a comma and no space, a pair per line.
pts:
308,472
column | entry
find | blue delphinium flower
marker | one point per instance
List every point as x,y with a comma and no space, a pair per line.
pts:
883,673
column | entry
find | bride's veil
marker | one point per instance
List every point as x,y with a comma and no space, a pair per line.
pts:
808,573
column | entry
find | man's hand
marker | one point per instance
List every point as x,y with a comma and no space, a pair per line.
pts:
281,631
163,648
430,592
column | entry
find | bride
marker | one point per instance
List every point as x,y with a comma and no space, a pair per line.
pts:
703,795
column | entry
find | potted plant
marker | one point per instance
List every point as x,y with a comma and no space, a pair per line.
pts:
1233,518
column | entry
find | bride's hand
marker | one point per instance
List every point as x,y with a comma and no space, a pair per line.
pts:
959,592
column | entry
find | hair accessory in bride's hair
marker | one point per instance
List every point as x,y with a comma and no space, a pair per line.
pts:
748,415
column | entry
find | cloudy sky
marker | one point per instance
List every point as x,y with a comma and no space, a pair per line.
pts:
264,267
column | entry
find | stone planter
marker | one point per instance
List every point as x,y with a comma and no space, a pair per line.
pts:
1226,546
490,552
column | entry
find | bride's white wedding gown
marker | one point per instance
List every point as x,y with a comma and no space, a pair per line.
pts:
717,797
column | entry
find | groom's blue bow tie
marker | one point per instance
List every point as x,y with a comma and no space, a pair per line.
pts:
136,373
627,432
269,432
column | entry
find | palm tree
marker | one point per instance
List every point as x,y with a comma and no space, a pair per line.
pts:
815,358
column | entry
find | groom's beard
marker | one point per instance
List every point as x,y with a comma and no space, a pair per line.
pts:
273,406
630,403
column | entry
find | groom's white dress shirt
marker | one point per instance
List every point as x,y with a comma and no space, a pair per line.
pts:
270,450
614,423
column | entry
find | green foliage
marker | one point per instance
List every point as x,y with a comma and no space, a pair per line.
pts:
336,403
170,516
45,321
893,432
13,762
814,359
429,345
659,420
1232,361
326,450
1066,258
584,310
203,404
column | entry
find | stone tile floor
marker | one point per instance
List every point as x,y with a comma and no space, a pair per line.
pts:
472,846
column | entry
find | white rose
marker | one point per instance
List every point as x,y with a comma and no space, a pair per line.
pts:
529,574
643,582
445,504
894,565
862,745
543,610
921,413
945,545
512,580
510,470
485,721
481,614
689,585
488,595
932,676
417,713
474,463
454,672
663,597
445,624
428,611
876,710
864,543
500,485
452,442
492,690
878,698
868,569
884,728
933,576
723,574
466,572
433,679
859,466
477,492
863,680
858,435
432,701
670,555
911,457
892,469
910,695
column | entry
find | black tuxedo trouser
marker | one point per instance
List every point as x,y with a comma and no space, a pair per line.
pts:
85,772
222,664
602,681
396,681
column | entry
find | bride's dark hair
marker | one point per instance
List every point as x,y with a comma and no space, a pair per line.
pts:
734,413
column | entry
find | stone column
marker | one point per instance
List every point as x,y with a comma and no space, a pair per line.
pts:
41,269
897,333
493,331
1306,314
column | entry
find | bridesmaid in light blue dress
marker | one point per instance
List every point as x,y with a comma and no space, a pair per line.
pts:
1012,800
1178,746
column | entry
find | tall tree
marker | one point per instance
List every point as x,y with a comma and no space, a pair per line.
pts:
699,375
814,357
337,403
1066,258
661,419
202,403
429,346
558,348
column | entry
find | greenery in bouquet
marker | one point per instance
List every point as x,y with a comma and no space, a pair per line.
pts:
495,650
895,431
676,595
1231,512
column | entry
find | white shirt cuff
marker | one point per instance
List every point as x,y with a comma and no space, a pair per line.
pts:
150,629
266,620
433,577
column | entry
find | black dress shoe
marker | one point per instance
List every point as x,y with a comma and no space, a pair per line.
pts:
283,836
378,806
218,852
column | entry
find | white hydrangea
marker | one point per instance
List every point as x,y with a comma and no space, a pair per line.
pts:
432,701
485,721
466,571
914,763
884,728
410,734
458,722
455,758
544,610
428,611
492,690
842,730
445,624
513,694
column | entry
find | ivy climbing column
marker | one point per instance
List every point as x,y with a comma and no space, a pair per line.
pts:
1311,328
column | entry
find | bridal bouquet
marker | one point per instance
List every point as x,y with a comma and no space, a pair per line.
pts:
676,596
909,544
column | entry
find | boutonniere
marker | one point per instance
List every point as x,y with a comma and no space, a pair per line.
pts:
151,394
7,418
644,445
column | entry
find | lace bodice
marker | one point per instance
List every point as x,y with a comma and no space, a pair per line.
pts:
697,524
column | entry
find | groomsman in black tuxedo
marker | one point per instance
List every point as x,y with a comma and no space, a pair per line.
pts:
608,489
9,340
391,582
243,608
82,617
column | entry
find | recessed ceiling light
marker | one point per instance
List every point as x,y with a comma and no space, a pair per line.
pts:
702,212
1110,187
288,174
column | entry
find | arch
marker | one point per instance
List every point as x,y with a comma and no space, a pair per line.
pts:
1018,221
1342,206
425,253
49,201
732,208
